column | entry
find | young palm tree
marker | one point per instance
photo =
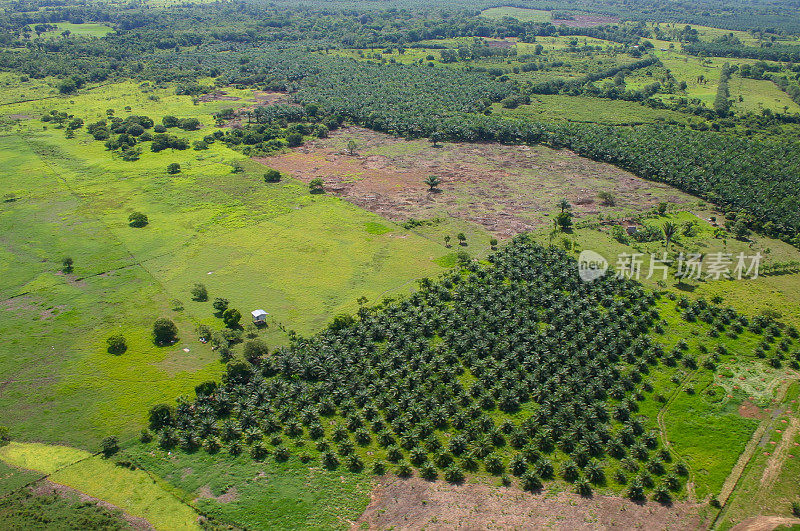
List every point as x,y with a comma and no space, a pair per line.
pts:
432,181
670,230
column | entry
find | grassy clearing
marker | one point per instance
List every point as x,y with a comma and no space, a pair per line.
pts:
43,458
558,107
519,13
13,478
261,495
133,491
760,94
87,29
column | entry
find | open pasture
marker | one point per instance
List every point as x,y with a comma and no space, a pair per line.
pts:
271,246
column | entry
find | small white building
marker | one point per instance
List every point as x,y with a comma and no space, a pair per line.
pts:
259,316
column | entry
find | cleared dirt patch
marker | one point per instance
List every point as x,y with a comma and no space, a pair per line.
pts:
765,523
226,497
750,410
505,189
217,95
416,504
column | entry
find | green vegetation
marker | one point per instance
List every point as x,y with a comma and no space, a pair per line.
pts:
139,229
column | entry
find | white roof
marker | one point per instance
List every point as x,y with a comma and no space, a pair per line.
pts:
258,313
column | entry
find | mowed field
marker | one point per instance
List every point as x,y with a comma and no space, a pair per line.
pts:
302,258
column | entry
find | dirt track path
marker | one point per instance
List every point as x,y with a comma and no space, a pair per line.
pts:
777,458
753,443
764,523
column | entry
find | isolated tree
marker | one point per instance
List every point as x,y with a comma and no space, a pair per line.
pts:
564,205
255,351
351,147
316,186
231,317
116,344
164,331
447,240
432,181
272,176
670,230
435,138
462,238
174,168
493,243
220,304
137,219
109,446
199,292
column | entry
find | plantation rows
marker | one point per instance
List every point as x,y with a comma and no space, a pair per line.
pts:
514,367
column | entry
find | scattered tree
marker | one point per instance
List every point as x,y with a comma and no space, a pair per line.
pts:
670,230
199,292
563,221
174,168
493,243
220,304
462,238
564,205
164,331
447,240
351,147
255,351
66,265
116,344
109,446
231,317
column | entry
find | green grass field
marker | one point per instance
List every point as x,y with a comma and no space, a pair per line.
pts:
133,491
519,13
261,495
556,107
87,29
261,246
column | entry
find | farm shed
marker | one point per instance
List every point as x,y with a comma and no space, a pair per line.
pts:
259,316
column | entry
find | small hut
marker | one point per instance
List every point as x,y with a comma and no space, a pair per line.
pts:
259,317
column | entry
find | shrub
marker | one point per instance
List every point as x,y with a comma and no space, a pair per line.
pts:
316,186
174,168
272,176
137,220
116,344
255,351
67,265
454,474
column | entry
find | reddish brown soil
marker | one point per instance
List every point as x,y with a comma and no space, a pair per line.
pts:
586,21
219,95
505,189
750,410
417,504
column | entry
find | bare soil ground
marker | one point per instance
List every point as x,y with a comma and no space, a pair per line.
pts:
415,504
765,523
506,189
775,462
